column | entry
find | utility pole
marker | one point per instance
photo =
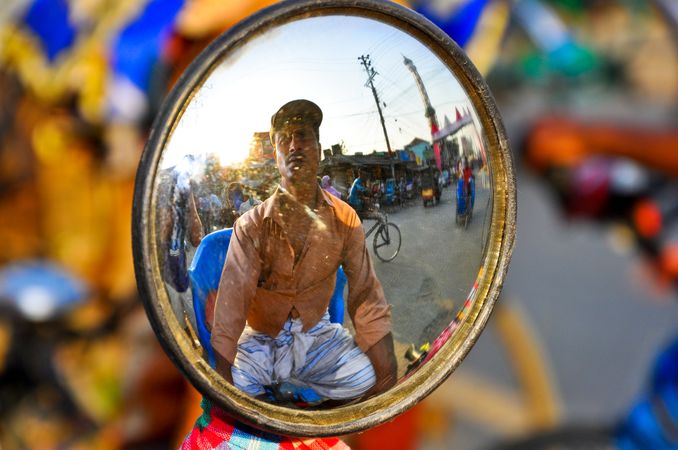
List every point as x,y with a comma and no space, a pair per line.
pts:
365,61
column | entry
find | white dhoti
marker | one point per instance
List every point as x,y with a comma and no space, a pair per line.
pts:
325,358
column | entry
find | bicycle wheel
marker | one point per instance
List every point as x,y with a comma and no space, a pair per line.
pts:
386,242
469,211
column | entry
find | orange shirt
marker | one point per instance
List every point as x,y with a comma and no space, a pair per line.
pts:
261,283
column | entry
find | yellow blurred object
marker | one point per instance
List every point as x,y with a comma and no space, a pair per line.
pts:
36,423
497,408
73,210
70,193
90,79
99,441
528,360
434,421
92,372
71,71
124,144
50,142
642,41
620,238
658,84
19,226
116,268
82,69
88,316
485,45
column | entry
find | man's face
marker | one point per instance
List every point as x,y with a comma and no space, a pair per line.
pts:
297,149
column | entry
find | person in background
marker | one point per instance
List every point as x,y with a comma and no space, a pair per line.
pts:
358,192
326,184
250,200
467,173
235,195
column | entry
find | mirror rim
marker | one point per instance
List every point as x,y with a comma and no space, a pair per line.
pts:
175,342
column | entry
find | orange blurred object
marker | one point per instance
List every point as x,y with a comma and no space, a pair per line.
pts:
669,261
191,412
401,433
647,219
200,18
564,142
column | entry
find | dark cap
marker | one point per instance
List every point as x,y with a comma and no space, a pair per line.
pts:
297,111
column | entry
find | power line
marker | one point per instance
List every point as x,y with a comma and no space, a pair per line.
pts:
371,73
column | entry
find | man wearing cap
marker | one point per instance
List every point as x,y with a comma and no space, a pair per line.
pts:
271,323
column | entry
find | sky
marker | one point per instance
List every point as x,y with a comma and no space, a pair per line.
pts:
317,59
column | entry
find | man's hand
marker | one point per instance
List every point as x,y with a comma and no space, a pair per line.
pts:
194,224
383,360
224,367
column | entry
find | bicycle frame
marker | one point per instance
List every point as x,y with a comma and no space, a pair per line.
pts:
377,224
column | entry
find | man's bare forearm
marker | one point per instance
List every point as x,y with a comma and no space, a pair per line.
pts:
382,357
224,367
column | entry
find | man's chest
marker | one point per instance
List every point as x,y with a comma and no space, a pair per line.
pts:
296,231
300,254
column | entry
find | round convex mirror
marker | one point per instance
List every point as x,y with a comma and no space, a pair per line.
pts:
324,215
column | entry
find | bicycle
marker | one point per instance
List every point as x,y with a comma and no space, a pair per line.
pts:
386,243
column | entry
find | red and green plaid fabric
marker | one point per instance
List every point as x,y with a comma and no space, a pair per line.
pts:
214,430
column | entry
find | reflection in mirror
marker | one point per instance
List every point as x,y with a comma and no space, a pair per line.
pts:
313,306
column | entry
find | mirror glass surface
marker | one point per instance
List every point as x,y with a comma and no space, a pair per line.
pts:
391,109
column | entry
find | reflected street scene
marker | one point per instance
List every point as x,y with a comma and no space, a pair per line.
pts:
322,217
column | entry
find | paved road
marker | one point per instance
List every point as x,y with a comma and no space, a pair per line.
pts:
436,267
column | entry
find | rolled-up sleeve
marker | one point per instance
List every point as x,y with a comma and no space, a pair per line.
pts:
237,288
367,305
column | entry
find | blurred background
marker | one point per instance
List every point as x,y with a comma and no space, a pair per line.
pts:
581,351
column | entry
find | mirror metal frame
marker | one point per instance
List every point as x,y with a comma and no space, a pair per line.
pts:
374,411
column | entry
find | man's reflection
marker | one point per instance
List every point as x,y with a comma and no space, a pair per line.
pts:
271,323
